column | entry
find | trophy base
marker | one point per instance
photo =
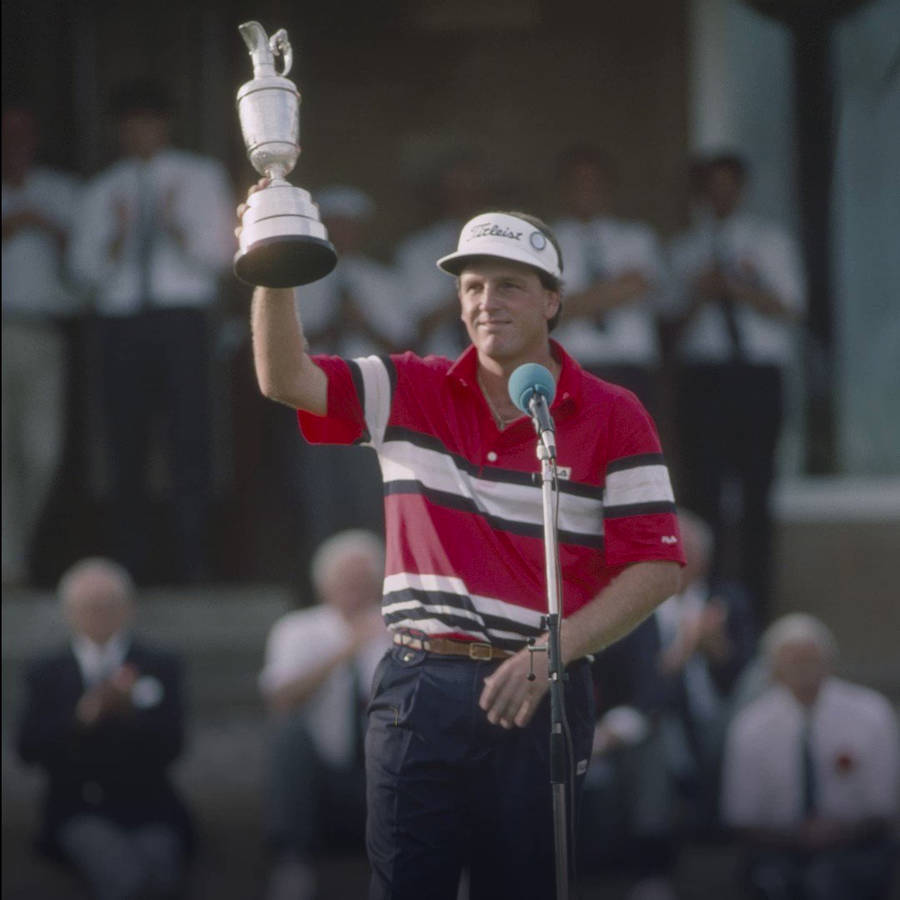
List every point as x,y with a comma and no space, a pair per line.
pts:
283,242
285,261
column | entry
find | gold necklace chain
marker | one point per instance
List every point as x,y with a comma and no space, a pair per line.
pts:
501,421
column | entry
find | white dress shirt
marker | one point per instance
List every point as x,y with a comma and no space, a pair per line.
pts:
425,286
99,661
195,191
605,248
33,283
300,642
855,749
749,247
377,292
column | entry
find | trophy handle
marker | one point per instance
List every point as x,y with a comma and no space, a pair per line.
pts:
281,46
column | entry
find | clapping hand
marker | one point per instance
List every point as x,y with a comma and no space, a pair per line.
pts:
109,697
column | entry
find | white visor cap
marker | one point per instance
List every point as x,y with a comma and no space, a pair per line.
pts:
505,237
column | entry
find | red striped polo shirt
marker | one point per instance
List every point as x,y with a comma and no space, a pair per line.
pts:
463,508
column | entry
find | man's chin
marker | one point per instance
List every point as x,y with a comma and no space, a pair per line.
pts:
498,350
488,341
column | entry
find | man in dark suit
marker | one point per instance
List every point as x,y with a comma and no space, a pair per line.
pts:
103,717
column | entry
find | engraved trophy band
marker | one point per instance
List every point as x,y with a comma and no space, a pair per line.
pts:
283,243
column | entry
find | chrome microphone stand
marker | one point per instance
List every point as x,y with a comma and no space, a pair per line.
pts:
531,389
556,671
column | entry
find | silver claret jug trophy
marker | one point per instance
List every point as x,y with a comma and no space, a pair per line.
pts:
283,243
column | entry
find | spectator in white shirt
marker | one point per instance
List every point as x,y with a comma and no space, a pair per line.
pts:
38,213
459,190
316,679
154,237
615,278
355,310
738,291
812,774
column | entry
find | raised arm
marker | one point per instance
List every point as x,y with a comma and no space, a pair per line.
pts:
284,369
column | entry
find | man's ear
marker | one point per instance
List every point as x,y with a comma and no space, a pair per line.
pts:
552,306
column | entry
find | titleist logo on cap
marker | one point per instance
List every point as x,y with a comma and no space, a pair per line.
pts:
489,229
503,236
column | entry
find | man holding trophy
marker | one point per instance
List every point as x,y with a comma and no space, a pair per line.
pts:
457,755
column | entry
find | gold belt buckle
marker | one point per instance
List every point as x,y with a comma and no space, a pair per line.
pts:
480,651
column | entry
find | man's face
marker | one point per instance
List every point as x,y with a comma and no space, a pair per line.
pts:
19,141
346,233
801,666
97,607
143,133
463,189
586,190
696,555
724,187
505,309
354,586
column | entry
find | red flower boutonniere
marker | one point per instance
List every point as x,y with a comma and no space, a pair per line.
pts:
844,763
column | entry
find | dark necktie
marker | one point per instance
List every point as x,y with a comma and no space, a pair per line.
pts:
810,788
596,267
146,235
726,304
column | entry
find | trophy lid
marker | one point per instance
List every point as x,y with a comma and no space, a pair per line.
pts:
263,49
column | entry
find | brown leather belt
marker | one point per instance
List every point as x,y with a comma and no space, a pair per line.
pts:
448,647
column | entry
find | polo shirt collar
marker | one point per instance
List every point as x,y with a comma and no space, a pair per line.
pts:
568,388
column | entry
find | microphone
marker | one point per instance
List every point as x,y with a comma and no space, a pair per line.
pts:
532,389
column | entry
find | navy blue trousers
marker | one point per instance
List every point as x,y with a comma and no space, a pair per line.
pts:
448,790
155,365
729,421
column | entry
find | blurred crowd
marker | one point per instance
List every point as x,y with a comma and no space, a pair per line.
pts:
706,735
704,730
127,389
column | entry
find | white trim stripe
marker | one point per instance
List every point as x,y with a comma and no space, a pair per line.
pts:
405,461
436,608
435,626
377,385
642,484
450,585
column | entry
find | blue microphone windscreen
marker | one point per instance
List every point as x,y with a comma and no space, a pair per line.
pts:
527,380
